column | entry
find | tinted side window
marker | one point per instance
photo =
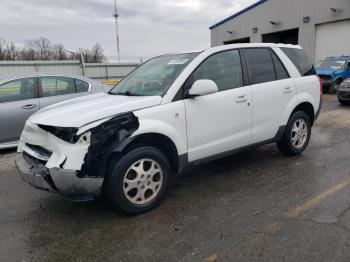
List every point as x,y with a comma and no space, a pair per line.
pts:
223,68
19,89
81,86
281,72
259,65
57,85
300,60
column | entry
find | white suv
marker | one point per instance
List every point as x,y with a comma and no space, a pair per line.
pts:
172,111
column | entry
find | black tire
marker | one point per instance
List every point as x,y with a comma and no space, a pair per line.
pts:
285,145
115,180
342,102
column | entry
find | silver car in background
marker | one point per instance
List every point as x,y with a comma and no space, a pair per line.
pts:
22,96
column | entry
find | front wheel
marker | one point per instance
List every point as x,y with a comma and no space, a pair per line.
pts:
138,181
297,134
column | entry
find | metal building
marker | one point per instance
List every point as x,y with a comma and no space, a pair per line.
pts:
321,27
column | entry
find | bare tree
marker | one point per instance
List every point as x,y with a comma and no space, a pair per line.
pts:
59,52
85,53
11,52
43,48
28,52
97,54
93,55
2,49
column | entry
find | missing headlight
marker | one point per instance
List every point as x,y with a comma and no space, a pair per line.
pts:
104,139
67,134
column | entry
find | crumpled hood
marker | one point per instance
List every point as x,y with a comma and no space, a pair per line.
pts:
325,71
83,110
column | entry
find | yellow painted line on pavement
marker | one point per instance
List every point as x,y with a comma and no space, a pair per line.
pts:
109,82
296,211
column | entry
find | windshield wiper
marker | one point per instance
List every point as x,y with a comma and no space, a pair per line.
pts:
127,93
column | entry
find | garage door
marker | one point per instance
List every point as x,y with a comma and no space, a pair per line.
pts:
332,39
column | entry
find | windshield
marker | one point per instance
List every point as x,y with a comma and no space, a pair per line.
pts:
332,63
154,77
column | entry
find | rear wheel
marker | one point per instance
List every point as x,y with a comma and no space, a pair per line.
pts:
297,134
138,181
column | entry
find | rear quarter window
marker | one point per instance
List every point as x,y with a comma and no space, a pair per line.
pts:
81,86
300,60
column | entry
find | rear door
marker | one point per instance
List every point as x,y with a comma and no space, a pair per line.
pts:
272,89
54,89
222,121
18,100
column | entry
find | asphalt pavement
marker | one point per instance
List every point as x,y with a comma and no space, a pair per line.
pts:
256,205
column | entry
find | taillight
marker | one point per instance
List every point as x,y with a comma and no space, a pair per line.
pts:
321,89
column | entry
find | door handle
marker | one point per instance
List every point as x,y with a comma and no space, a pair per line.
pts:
29,106
287,89
241,99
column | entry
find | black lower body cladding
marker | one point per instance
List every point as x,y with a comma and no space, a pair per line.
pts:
106,139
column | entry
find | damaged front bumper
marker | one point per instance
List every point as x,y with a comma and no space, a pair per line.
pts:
75,169
65,182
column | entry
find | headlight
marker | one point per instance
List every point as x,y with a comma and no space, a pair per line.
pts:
67,134
345,85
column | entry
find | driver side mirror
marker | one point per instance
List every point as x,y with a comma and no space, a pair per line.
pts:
202,87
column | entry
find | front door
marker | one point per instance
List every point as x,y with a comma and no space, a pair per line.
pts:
219,122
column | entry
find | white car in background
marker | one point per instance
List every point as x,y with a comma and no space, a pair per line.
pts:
173,111
21,96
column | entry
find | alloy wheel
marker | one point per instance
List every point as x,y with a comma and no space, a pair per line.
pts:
142,181
299,133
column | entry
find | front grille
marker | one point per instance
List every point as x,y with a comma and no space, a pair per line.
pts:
38,167
40,150
344,95
35,162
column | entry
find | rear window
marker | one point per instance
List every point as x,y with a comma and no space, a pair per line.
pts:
300,60
81,86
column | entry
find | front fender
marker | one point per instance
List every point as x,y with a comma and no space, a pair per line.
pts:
159,127
338,75
337,78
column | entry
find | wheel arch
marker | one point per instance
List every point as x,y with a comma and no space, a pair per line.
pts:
339,79
160,141
307,108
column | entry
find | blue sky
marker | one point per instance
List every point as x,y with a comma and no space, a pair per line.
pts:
147,28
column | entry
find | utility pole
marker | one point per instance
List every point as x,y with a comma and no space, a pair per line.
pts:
82,62
116,15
